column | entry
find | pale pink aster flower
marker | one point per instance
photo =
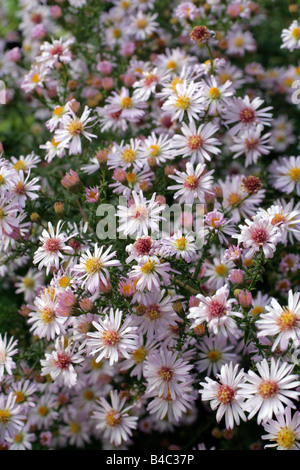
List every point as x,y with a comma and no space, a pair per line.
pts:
112,338
193,184
146,86
54,247
157,148
245,114
239,42
35,78
71,129
284,431
259,233
8,216
143,25
226,394
180,246
138,356
286,218
123,106
92,194
270,390
214,352
93,267
251,144
217,311
7,350
57,51
24,188
281,322
59,363
113,420
196,144
165,372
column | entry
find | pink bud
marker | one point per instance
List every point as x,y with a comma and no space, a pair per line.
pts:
55,11
245,298
236,276
104,67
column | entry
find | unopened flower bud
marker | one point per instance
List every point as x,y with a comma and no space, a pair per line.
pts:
59,208
35,217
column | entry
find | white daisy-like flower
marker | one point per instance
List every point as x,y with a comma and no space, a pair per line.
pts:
113,420
46,323
226,395
112,338
216,96
180,246
291,36
7,350
165,372
29,284
59,363
270,390
284,431
251,144
24,188
156,150
217,311
281,322
143,25
53,249
214,352
245,114
11,418
136,361
150,273
186,100
193,184
141,217
286,217
285,174
57,51
93,267
196,144
72,128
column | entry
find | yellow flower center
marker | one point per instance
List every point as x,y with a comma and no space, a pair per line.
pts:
2,214
116,33
183,102
296,33
154,150
48,315
287,320
286,438
110,338
19,165
139,355
18,438
214,93
58,111
141,23
88,395
126,102
113,418
64,282
35,78
75,127
74,427
181,243
172,65
214,356
234,199
4,416
239,41
294,174
43,410
131,177
20,397
268,389
128,156
221,270
93,265
28,282
256,311
148,267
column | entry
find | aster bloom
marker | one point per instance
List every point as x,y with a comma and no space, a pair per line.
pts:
286,217
7,350
141,217
251,144
197,144
186,100
193,184
213,353
180,246
57,51
226,394
285,175
68,135
53,249
284,431
216,95
24,188
123,106
291,36
93,267
156,150
150,272
113,337
270,390
59,364
245,114
8,215
258,234
165,371
283,323
217,311
11,419
113,420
